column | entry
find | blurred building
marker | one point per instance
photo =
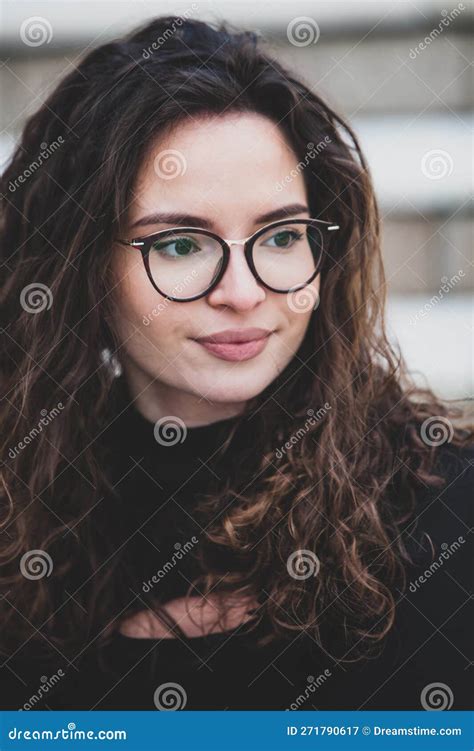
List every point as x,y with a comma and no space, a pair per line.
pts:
399,71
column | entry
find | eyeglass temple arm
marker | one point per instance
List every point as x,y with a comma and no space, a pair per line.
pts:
133,243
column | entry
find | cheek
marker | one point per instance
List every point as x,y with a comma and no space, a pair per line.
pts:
303,302
300,305
136,298
144,319
299,309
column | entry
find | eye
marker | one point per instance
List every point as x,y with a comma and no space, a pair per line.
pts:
174,246
283,238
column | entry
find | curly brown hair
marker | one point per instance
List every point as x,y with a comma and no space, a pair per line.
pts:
349,484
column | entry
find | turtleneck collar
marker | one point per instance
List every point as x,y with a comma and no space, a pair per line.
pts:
168,440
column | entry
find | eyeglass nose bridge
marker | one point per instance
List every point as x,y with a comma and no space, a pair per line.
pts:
251,266
244,241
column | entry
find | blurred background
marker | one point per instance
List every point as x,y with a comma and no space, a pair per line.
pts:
399,71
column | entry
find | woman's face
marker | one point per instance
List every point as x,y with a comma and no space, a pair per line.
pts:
228,173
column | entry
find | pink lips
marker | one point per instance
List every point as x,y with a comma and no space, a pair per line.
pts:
236,344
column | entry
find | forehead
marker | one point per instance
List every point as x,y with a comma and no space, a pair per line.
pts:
238,161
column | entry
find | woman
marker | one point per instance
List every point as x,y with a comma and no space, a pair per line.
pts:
220,489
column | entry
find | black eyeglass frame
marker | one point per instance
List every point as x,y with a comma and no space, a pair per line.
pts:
143,244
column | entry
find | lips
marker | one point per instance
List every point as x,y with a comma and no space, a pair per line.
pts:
236,345
235,336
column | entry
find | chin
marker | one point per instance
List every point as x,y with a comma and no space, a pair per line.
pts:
230,391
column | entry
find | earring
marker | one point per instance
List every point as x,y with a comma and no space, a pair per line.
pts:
111,362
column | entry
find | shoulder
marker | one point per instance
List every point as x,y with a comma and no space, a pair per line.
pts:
440,528
196,616
450,506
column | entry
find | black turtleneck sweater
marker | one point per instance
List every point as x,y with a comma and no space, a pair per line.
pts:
155,514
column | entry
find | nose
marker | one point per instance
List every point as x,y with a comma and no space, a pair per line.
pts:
238,288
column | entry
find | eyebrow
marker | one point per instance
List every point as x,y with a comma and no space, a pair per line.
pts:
189,220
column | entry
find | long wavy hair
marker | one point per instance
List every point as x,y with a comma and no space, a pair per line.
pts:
342,495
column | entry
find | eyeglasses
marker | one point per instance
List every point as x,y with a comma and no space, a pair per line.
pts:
186,263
